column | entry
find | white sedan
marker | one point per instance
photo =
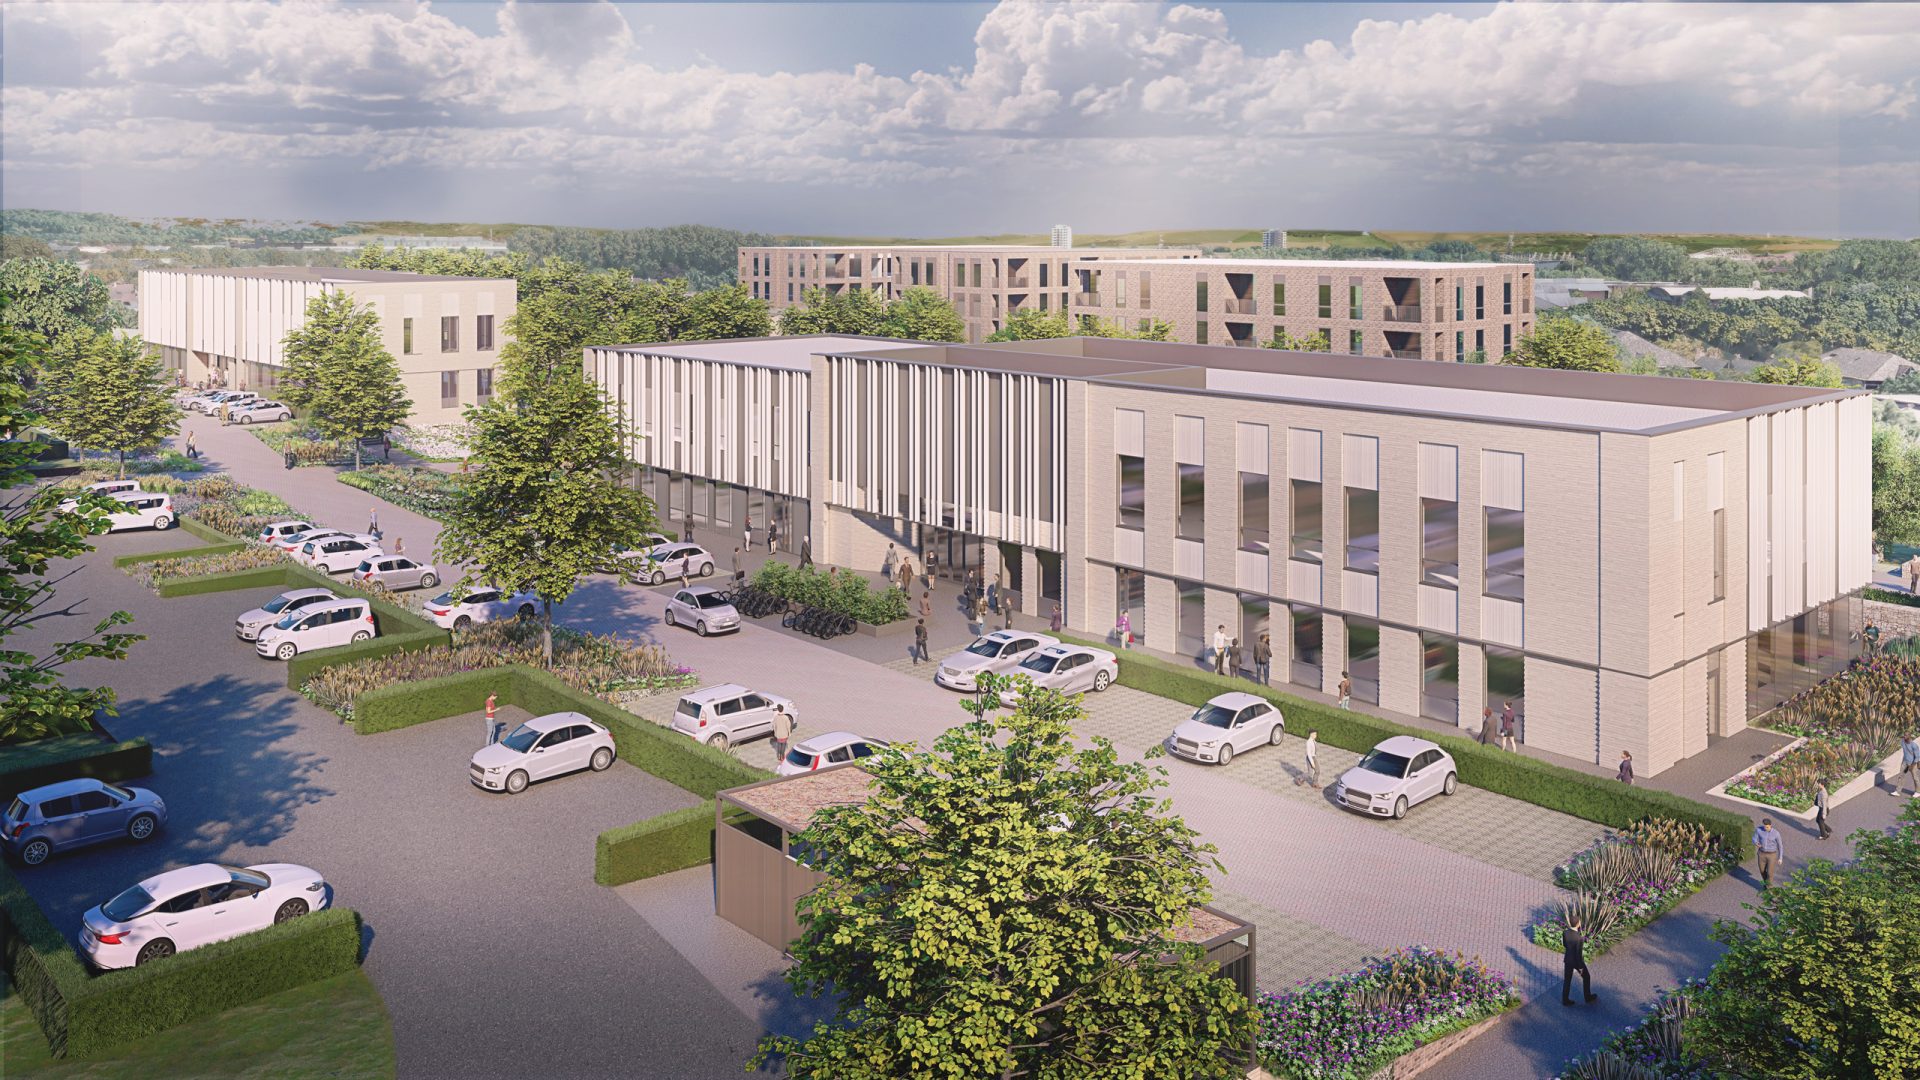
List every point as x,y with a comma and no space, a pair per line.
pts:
824,751
258,412
544,746
250,623
335,554
281,529
291,543
999,652
486,604
194,906
1397,773
1070,669
673,560
1229,724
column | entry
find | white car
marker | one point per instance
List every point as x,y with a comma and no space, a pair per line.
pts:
321,626
672,560
1397,773
822,751
102,487
1230,724
485,604
194,906
291,543
1070,669
249,625
544,746
259,412
281,529
999,652
704,608
337,553
141,510
648,541
397,572
210,404
730,713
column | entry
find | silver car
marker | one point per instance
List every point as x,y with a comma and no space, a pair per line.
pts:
397,572
544,746
255,412
75,813
720,715
999,653
248,626
673,560
704,608
1070,669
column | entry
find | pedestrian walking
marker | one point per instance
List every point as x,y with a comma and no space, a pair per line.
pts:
1220,649
1573,954
373,521
930,564
1006,612
773,535
748,528
1625,775
993,596
806,552
926,605
686,530
493,727
1820,807
1913,574
1054,621
905,574
782,731
1508,730
1123,629
193,448
223,412
400,545
739,574
1234,656
1909,765
1346,691
290,459
386,449
1872,636
888,564
1313,759
1489,728
1263,660
919,642
1770,848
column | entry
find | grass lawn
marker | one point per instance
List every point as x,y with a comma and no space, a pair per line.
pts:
335,1028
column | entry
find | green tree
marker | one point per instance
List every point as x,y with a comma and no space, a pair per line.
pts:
1896,487
1636,258
337,371
23,247
34,534
1907,382
112,395
1032,324
55,299
1824,983
458,262
1006,905
1568,344
850,311
726,312
1314,342
545,506
1801,369
920,314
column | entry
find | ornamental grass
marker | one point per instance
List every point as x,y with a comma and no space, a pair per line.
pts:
596,664
309,446
1850,723
151,574
1348,1026
428,492
1623,881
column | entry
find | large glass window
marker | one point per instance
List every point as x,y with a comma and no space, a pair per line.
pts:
1326,300
1192,523
1719,554
1506,553
1479,301
1507,686
1130,599
1194,639
406,336
1363,530
1305,542
1459,303
1440,677
1199,296
449,389
1200,332
1146,288
1353,303
1506,298
1279,298
1355,341
1255,623
1304,645
1133,492
450,333
483,332
1253,512
1363,659
1440,543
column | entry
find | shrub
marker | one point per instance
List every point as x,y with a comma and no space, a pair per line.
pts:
1851,722
1885,597
1621,882
404,704
245,557
309,446
1653,1049
659,845
428,492
845,594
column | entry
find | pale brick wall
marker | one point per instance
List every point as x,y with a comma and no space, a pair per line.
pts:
1560,708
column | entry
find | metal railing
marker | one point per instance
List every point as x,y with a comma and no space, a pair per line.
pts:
1234,306
1404,354
1087,298
1402,313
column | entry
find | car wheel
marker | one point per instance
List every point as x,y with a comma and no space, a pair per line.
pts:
526,611
1400,808
602,758
35,852
286,650
1278,733
1452,785
718,742
360,635
428,581
516,782
246,419
163,522
658,578
706,569
1101,681
670,621
1226,753
462,622
142,826
700,628
292,909
157,949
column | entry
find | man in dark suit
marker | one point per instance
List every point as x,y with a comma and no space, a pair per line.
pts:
1574,944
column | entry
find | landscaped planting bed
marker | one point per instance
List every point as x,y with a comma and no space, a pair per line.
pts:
434,442
1348,1026
309,446
152,572
428,492
1653,1049
1851,723
222,504
1624,881
844,594
152,464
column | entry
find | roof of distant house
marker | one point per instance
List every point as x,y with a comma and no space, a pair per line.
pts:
1867,365
329,274
1635,345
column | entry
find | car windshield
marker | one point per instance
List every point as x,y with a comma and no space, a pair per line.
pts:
521,739
286,621
1215,716
1385,764
130,904
445,599
117,792
246,877
277,605
710,600
1041,663
365,566
800,757
984,647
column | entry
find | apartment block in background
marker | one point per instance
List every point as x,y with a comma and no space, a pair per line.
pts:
228,327
988,283
1409,310
1634,563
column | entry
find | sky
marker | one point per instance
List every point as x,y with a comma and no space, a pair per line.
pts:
950,119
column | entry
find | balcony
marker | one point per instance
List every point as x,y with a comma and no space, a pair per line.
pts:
1017,281
1086,299
1235,306
1404,354
1401,313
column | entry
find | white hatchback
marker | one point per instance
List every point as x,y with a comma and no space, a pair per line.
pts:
825,751
196,905
730,713
485,604
258,412
321,626
999,652
704,608
141,510
291,543
544,746
337,553
1229,724
673,560
1397,773
281,529
250,623
1070,669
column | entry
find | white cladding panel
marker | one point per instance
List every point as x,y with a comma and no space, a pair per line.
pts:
1439,472
1503,479
1130,432
1360,461
1717,481
1759,524
1854,467
1821,516
1303,454
1251,447
1189,440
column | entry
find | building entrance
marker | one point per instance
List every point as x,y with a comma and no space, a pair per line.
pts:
949,555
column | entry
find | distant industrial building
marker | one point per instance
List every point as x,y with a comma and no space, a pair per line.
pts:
1063,236
1274,239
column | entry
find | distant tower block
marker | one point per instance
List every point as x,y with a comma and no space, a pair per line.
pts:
1275,239
1063,236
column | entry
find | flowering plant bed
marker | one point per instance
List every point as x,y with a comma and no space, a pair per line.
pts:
434,442
592,663
154,571
1624,881
1348,1026
1850,723
428,492
309,446
1653,1049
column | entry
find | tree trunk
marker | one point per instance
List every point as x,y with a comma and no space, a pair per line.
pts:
546,632
123,465
356,455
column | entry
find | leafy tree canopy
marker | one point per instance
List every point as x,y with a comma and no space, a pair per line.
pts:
1635,258
55,299
703,256
458,262
1797,370
1314,342
110,393
850,311
23,247
1907,382
337,370
1005,906
1568,344
1896,487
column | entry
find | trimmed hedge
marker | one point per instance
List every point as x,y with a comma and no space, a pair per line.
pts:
260,577
24,766
390,708
1886,597
659,845
122,561
1582,795
81,1014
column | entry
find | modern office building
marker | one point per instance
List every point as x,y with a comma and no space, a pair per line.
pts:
228,326
1412,310
1062,236
988,283
1636,563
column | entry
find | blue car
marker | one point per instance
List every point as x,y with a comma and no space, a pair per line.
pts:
75,813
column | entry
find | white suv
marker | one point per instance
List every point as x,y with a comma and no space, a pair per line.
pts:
321,626
999,652
141,510
337,553
719,715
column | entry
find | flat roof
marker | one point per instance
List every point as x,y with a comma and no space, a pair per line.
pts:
318,273
788,353
1351,264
